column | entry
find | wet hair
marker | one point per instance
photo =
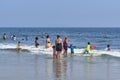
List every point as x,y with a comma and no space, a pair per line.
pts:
36,38
66,37
58,36
47,36
18,41
53,46
108,45
88,42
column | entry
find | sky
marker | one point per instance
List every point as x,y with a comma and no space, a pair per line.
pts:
59,13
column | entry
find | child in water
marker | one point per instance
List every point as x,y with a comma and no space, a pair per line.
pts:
87,48
54,52
72,48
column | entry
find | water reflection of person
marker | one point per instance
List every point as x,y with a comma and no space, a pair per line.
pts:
57,69
60,69
88,62
36,67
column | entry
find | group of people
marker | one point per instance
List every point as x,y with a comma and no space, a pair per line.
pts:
59,47
13,37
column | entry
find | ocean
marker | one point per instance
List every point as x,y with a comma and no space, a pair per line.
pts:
38,63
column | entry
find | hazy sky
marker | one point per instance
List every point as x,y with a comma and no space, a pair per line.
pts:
60,13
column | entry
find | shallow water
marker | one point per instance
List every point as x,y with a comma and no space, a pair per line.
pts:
25,66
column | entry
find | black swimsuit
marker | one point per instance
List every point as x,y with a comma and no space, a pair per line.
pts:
58,47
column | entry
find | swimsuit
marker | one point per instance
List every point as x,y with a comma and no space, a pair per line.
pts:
65,45
58,47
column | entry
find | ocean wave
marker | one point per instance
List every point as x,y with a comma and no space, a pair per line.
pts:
42,50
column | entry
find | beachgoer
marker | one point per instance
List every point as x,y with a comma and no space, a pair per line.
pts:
59,46
108,47
13,37
65,45
48,44
36,42
72,48
87,48
19,46
54,52
4,36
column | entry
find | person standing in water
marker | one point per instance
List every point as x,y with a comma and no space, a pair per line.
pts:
48,44
19,47
87,48
54,52
36,42
72,49
108,47
59,46
4,36
65,45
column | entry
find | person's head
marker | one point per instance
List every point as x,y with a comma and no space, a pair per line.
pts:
13,35
4,33
89,43
18,42
108,45
53,47
47,36
36,38
58,36
66,38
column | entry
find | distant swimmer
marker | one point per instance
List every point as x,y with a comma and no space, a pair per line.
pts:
4,36
13,37
36,42
108,47
48,43
87,50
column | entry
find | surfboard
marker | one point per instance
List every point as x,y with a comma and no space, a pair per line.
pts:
92,47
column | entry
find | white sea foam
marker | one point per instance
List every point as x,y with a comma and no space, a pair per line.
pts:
42,50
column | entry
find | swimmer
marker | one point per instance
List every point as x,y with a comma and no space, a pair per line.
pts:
48,44
36,42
